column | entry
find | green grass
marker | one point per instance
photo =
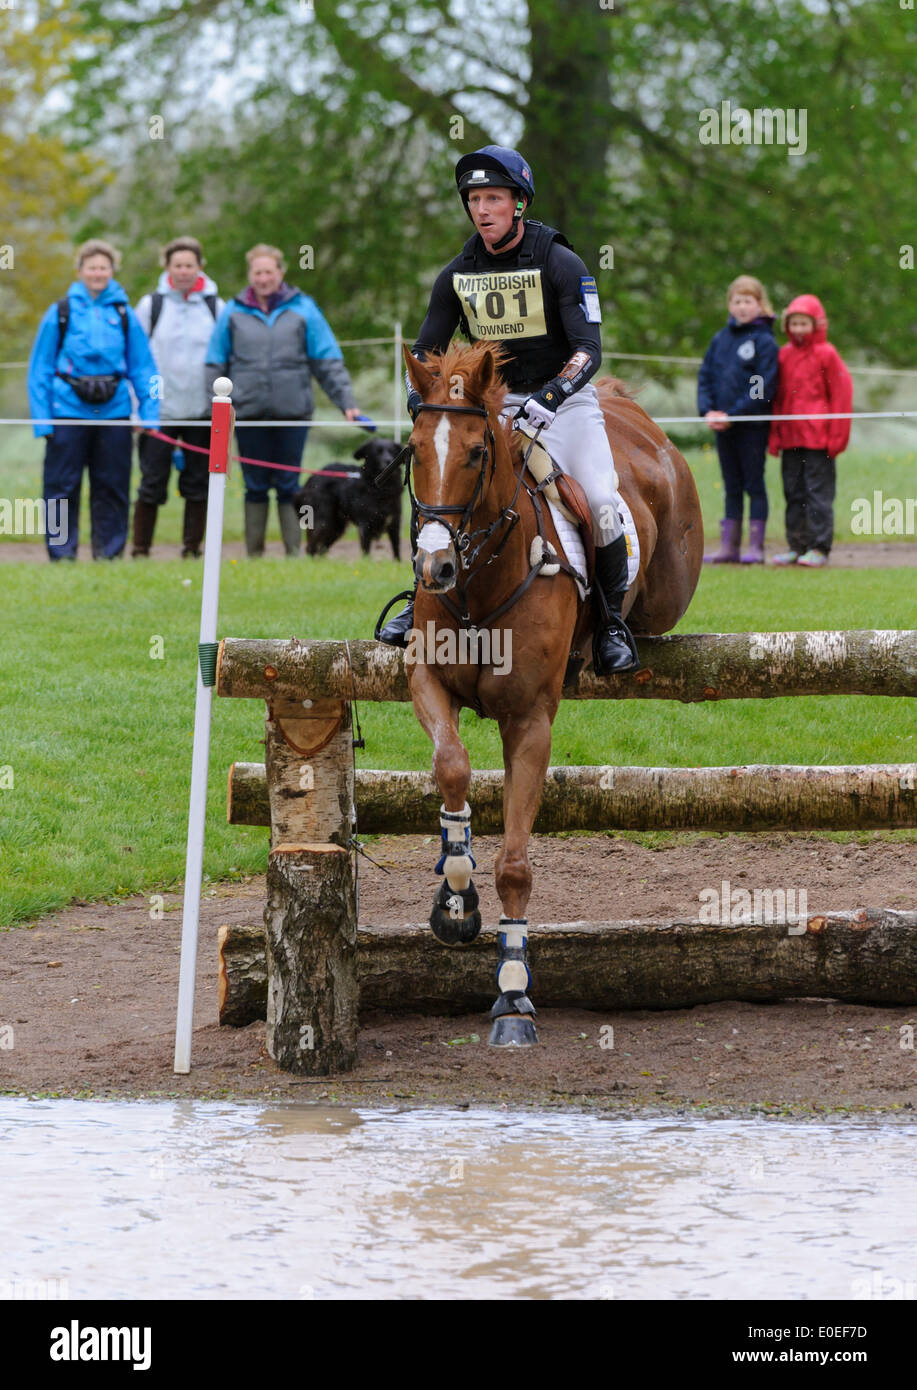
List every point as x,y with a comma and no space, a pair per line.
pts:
98,734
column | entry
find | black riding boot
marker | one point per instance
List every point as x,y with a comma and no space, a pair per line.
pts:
396,630
613,648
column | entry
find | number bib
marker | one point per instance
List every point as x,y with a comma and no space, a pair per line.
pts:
507,304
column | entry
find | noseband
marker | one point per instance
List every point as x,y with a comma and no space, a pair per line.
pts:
462,538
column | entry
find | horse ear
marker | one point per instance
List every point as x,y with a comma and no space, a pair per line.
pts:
420,376
487,370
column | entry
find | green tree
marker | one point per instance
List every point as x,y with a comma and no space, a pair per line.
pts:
339,125
43,182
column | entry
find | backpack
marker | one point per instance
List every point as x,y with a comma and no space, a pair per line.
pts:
63,320
156,300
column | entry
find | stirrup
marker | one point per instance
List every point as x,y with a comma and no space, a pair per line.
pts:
377,630
620,629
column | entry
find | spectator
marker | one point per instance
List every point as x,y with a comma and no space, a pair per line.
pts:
271,339
738,376
88,346
813,381
178,319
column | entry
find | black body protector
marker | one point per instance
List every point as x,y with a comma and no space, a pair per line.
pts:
546,319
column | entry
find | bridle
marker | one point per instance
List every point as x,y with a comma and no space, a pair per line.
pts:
466,543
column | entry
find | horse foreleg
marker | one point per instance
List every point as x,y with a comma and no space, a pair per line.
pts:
526,754
455,918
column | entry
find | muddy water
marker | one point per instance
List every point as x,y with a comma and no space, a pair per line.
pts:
203,1199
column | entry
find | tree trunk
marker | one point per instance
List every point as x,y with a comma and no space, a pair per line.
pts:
690,668
864,957
311,916
311,930
872,797
567,127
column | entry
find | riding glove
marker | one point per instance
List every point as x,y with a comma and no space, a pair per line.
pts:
540,409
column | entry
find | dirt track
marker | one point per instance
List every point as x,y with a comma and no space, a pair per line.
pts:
90,995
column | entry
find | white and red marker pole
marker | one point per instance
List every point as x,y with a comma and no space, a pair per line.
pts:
221,426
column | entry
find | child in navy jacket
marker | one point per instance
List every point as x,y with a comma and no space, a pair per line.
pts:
738,376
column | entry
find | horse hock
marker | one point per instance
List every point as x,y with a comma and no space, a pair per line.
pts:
455,918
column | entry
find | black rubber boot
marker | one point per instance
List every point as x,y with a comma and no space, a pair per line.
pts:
613,647
144,526
195,521
396,630
255,527
288,517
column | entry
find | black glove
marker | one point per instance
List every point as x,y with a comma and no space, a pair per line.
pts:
414,400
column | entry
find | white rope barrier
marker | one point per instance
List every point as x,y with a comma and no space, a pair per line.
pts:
606,352
392,424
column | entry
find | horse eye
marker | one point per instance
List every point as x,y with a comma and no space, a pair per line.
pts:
476,453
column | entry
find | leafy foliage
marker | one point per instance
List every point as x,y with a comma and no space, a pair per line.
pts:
336,125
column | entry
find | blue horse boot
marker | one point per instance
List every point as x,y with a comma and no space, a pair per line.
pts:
514,1011
455,918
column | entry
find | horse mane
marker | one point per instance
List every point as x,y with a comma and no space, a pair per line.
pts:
464,360
614,386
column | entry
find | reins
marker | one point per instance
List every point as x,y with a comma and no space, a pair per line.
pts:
463,539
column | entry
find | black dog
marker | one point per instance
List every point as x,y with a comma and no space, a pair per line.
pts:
336,502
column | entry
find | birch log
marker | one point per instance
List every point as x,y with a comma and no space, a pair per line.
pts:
691,668
863,957
872,797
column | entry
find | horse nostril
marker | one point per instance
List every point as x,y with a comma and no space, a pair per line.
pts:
446,572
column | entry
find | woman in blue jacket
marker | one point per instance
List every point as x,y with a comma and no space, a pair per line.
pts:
738,376
88,347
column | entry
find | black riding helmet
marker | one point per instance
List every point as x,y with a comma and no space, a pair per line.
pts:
496,166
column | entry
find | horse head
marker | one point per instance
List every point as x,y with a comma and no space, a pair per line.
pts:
458,447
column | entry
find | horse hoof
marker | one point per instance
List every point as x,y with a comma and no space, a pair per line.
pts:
453,927
513,1030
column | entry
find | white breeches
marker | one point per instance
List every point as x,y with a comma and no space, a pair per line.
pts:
577,441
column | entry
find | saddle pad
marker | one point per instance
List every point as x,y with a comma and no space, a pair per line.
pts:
630,535
570,541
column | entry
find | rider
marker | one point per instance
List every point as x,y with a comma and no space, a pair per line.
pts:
519,284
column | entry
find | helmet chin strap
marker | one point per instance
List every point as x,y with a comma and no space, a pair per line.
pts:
504,240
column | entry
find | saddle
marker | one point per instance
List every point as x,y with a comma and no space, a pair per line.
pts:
567,495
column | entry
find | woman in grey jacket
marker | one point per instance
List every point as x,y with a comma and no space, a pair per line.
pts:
178,319
271,340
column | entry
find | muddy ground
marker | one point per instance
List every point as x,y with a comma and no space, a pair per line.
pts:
87,996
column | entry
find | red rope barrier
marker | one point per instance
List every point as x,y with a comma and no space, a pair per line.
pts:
257,463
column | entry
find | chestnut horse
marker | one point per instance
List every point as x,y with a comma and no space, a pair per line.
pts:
482,598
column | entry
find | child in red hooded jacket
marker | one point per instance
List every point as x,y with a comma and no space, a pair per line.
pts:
813,381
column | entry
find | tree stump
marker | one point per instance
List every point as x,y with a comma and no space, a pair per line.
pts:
311,916
311,930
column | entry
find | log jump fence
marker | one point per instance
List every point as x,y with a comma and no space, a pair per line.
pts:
309,970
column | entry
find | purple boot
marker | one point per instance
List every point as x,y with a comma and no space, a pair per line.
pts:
754,555
728,553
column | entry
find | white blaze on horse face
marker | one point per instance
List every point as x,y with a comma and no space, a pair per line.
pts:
441,441
433,537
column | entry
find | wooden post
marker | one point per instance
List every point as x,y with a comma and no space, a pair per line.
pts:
310,918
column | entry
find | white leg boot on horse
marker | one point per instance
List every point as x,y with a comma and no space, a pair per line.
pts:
455,918
526,755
